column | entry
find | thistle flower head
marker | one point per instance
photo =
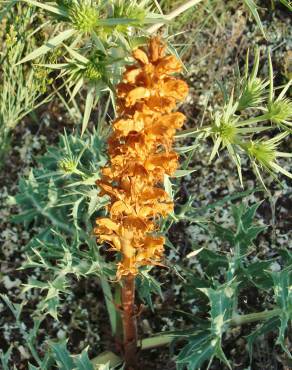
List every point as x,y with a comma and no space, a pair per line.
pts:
141,154
264,153
280,111
84,16
225,128
93,72
252,94
261,151
68,165
132,10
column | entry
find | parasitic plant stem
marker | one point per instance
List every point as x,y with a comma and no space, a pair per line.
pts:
129,321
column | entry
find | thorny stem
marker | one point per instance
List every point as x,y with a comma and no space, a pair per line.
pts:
173,15
129,322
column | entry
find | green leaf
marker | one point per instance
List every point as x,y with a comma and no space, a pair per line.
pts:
283,296
182,173
116,21
257,274
246,232
82,361
206,344
32,367
62,356
5,358
50,8
6,9
254,11
110,305
287,3
49,45
286,256
88,107
196,352
264,328
212,261
146,286
222,303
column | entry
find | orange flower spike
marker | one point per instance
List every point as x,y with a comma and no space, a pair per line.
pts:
140,155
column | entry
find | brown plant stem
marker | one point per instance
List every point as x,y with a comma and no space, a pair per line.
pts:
129,322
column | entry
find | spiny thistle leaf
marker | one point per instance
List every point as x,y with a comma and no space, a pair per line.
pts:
283,296
267,327
204,346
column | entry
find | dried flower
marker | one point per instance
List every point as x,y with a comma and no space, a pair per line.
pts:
140,150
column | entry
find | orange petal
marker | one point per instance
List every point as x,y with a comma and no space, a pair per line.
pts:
107,223
136,94
132,74
127,125
140,56
169,64
177,89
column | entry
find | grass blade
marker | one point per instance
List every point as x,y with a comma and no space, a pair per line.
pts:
254,11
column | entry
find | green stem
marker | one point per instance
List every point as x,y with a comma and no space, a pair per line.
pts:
237,320
253,317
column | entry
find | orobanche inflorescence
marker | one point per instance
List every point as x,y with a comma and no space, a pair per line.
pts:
140,150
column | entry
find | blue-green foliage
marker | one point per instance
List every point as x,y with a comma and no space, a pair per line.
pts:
57,353
59,201
204,343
